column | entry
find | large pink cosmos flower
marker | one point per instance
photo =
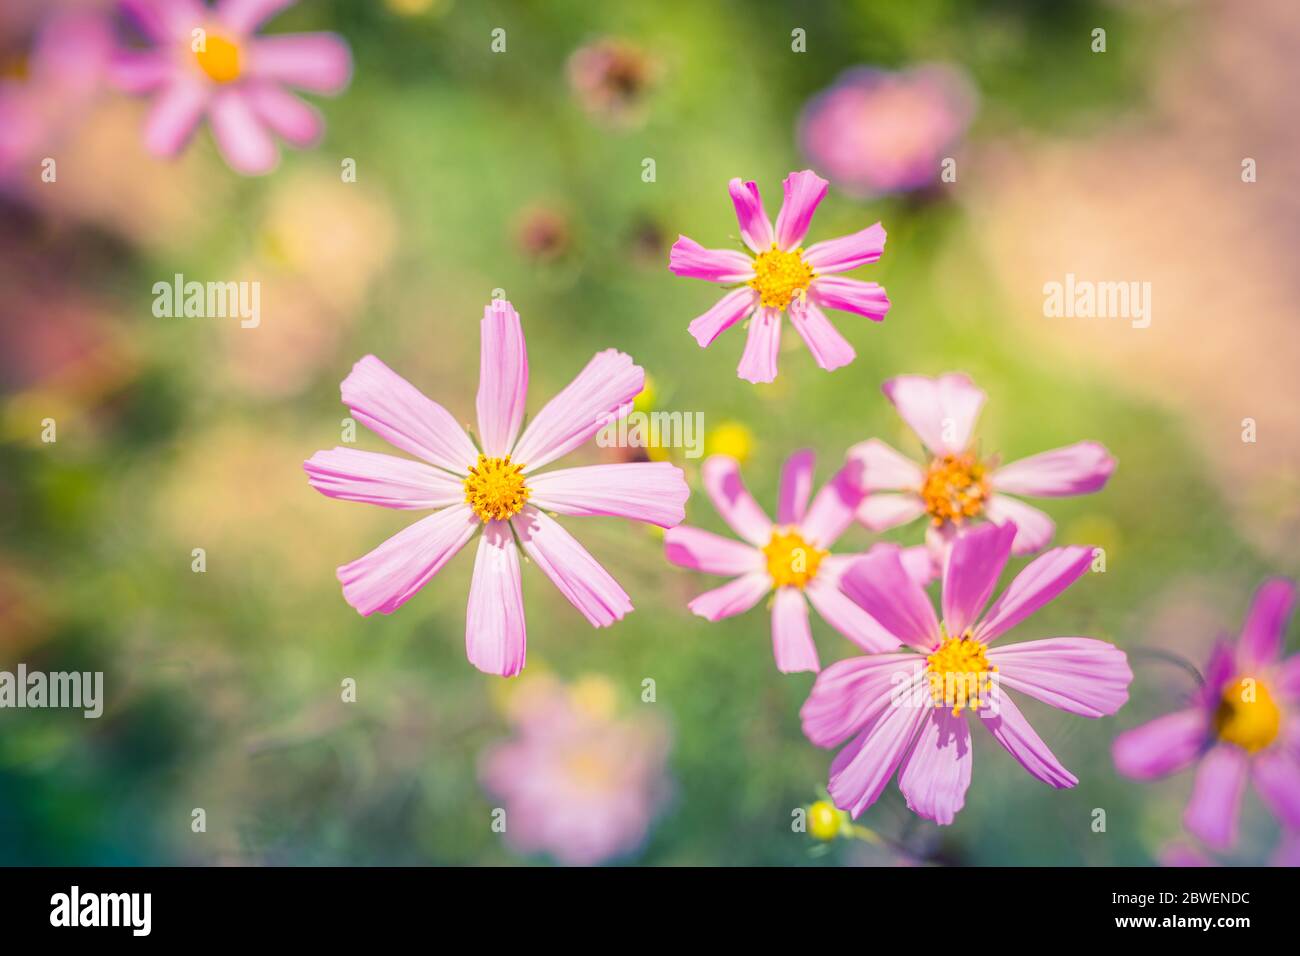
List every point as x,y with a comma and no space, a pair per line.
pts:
207,61
791,559
957,486
1243,724
904,710
495,487
781,275
876,132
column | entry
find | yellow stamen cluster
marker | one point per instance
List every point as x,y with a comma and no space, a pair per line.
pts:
824,820
219,59
955,487
495,488
790,559
779,276
1247,715
960,674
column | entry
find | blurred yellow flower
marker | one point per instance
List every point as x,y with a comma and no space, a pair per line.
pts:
732,439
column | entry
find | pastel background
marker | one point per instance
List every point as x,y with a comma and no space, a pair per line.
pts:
522,171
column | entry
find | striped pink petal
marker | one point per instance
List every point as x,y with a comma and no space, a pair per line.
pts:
502,378
755,227
832,510
1009,728
942,411
726,489
881,468
711,553
792,642
847,252
884,589
735,597
936,774
654,492
495,632
1041,581
829,348
726,312
571,568
850,693
860,771
1078,469
839,611
1163,745
796,487
803,192
691,260
1034,529
971,573
850,295
762,345
354,475
1075,674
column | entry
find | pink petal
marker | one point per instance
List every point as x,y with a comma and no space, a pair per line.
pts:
935,776
166,20
796,486
849,694
354,475
884,589
1036,585
653,491
1277,780
245,16
850,295
140,71
758,363
705,551
1076,674
601,393
1012,731
829,348
839,611
847,252
755,228
389,576
579,576
1215,806
917,560
860,771
882,512
1034,529
803,192
1265,627
792,642
1078,469
243,139
726,312
495,633
298,123
942,411
1288,679
726,489
832,511
971,573
689,259
315,62
1162,745
735,597
502,378
174,116
881,468
399,413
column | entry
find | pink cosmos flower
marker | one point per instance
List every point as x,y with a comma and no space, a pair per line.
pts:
782,276
875,132
577,781
790,559
957,486
208,62
1244,723
495,487
904,711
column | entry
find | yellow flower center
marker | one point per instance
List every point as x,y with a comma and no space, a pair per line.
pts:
778,276
219,59
495,488
1247,715
955,488
790,559
960,674
823,820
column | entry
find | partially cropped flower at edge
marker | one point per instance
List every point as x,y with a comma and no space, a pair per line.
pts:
790,559
496,488
958,487
207,61
1243,724
780,276
908,711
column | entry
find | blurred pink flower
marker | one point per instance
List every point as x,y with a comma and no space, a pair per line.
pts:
957,486
46,88
790,559
874,132
1241,725
884,702
577,782
207,62
610,79
492,484
782,276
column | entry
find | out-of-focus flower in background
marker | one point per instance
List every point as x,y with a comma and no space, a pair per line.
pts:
543,233
578,780
1240,726
50,71
874,132
208,62
611,79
